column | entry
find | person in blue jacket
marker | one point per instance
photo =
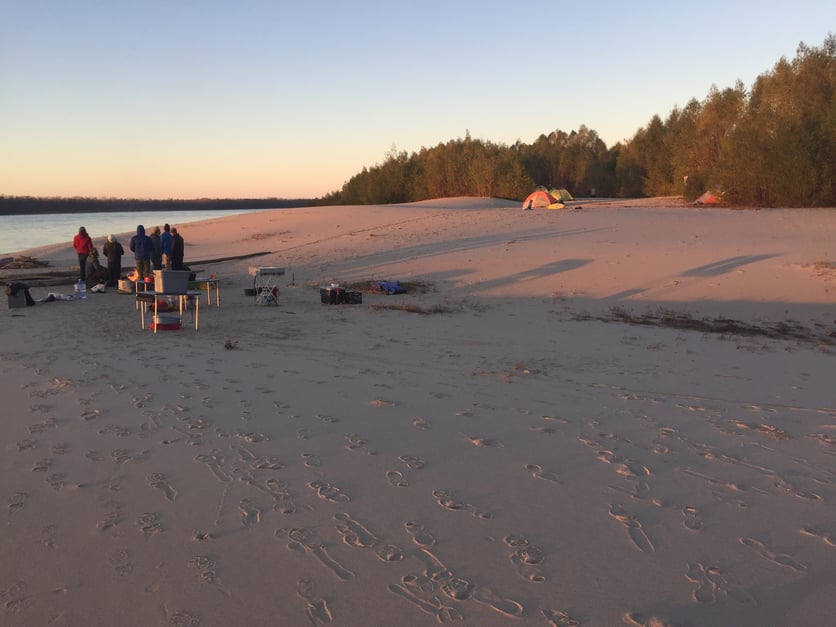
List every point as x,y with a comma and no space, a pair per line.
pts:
142,247
166,241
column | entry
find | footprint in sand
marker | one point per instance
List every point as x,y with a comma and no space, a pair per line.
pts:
214,461
302,540
487,442
90,414
40,427
542,429
120,560
526,558
427,602
705,590
826,535
419,534
640,620
48,536
782,559
420,423
282,500
252,438
120,455
711,582
355,534
634,528
447,501
14,597
316,607
250,514
149,523
183,618
498,603
17,502
413,462
57,480
42,465
623,466
326,418
158,481
395,478
304,434
329,492
205,566
357,443
538,472
267,463
311,460
691,519
558,618
112,517
26,444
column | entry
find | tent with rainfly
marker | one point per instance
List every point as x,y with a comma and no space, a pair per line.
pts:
538,198
711,197
561,195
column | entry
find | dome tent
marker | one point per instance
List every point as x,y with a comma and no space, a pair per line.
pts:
538,198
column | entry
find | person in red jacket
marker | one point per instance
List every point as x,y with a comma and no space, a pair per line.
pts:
83,246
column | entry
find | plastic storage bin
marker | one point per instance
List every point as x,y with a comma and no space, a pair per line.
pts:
171,281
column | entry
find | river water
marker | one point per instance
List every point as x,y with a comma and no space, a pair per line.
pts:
21,232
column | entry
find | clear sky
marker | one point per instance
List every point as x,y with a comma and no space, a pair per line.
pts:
290,98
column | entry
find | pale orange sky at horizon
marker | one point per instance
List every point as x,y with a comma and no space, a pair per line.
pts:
283,100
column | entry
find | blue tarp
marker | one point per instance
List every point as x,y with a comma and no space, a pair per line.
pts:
391,287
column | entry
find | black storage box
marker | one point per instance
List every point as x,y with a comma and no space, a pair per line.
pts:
18,295
354,298
333,295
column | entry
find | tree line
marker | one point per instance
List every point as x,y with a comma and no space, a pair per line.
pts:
773,145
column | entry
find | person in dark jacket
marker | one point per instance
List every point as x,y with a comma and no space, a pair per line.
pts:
157,253
83,245
178,246
94,271
166,241
142,248
113,251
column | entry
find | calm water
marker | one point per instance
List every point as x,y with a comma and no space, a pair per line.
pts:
21,232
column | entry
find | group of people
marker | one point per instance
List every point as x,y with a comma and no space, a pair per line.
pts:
160,250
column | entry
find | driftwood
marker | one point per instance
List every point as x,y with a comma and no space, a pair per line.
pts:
21,262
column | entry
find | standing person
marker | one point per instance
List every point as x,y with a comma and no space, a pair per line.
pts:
166,240
83,245
157,253
142,247
178,246
113,251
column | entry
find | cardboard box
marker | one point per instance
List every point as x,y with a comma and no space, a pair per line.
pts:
171,281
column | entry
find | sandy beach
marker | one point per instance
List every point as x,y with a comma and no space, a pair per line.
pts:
621,413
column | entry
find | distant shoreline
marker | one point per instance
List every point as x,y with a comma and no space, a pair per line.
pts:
21,205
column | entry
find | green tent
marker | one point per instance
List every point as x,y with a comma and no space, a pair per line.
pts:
560,194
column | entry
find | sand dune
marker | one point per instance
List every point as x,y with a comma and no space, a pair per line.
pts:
532,435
